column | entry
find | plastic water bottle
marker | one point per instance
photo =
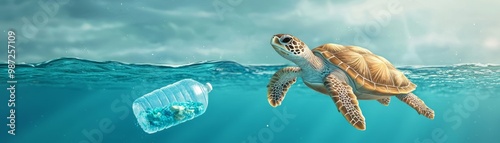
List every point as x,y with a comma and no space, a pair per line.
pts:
171,105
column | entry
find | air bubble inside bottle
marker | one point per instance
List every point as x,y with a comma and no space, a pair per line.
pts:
171,105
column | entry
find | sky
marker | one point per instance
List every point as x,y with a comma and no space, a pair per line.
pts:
175,32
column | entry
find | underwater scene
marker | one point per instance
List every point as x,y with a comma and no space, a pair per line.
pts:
91,102
241,71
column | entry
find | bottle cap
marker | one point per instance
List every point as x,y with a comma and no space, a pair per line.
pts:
209,86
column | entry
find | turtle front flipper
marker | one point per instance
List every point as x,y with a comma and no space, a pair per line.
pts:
346,101
279,84
417,104
385,101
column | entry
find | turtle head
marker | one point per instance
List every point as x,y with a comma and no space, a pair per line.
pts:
289,46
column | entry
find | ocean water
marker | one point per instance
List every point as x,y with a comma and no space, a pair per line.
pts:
72,100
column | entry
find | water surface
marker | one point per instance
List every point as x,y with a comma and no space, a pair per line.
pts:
76,100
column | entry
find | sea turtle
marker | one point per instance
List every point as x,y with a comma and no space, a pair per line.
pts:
345,73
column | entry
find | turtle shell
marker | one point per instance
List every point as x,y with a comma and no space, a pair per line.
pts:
371,73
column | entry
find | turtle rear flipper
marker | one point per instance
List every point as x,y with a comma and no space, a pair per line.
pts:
346,101
385,101
417,104
279,84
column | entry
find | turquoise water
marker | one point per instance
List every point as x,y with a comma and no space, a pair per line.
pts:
76,101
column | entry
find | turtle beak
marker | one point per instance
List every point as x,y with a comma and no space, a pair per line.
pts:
275,43
275,40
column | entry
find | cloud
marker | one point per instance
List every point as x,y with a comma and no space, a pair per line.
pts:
179,32
491,43
187,12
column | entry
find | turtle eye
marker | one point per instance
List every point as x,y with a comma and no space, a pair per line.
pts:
285,39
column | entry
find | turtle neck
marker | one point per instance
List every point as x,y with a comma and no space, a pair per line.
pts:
309,60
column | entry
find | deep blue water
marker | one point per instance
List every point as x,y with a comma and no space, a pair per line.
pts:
64,99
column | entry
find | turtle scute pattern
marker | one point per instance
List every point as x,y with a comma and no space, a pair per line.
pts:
372,73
